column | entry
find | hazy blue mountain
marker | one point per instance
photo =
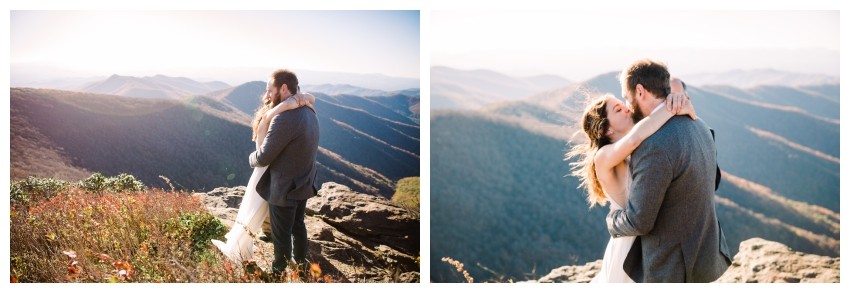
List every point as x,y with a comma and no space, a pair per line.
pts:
473,89
811,102
43,74
347,89
342,89
757,77
370,81
793,153
245,97
158,86
217,108
400,106
830,91
450,96
547,81
69,83
408,92
371,106
388,147
404,102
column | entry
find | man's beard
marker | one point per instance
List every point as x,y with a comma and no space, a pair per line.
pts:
276,99
637,114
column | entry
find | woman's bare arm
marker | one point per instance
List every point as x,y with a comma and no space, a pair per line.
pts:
298,100
610,155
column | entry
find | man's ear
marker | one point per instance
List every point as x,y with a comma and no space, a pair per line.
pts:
640,92
283,88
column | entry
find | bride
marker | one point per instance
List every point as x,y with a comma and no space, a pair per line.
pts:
254,209
603,167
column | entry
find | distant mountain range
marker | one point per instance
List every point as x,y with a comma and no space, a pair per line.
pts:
759,77
500,171
201,141
157,87
472,89
347,89
53,77
400,106
369,81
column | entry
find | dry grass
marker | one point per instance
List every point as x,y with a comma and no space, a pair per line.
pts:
459,267
152,236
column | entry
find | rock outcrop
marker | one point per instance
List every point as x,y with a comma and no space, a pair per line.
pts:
757,261
223,202
572,274
353,237
762,261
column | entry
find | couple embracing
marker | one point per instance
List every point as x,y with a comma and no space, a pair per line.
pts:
286,134
655,163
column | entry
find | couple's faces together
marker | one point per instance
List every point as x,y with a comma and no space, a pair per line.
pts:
621,116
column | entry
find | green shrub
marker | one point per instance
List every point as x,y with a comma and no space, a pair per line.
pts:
407,194
97,183
35,189
125,183
201,227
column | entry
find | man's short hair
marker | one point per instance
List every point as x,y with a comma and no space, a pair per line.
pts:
652,75
284,76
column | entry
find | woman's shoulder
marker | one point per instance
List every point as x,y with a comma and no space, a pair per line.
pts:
604,149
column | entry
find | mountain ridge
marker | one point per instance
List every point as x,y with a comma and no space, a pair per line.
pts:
759,77
140,124
471,89
155,87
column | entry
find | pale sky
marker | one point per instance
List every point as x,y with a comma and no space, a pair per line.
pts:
107,42
581,44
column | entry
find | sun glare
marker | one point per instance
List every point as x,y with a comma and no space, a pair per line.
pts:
109,42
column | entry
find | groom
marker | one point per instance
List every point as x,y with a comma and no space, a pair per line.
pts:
289,150
671,203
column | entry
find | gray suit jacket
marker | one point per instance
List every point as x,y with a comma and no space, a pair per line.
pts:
289,150
671,207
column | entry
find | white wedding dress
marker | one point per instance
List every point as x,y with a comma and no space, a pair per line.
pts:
615,253
249,220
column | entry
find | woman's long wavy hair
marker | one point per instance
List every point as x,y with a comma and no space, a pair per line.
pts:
268,104
279,78
595,124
